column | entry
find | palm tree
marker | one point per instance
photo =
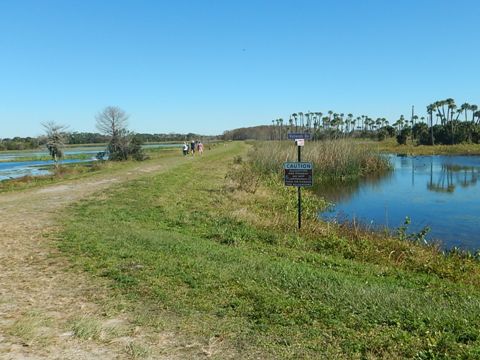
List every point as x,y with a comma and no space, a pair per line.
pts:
441,106
309,120
414,119
364,126
330,113
465,107
473,109
290,123
476,114
325,122
430,110
350,121
300,115
450,107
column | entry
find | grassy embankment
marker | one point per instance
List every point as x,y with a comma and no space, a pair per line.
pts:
189,252
391,146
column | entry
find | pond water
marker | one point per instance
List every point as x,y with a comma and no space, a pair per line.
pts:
9,168
441,192
16,169
93,150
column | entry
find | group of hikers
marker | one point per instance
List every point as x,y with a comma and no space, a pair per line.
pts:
195,146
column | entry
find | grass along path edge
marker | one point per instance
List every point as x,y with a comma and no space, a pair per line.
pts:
185,255
48,312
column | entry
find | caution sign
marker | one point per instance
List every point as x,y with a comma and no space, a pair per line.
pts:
298,173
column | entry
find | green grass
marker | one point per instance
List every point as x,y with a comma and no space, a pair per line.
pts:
191,257
391,146
86,328
29,328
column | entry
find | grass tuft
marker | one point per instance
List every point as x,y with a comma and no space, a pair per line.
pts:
86,328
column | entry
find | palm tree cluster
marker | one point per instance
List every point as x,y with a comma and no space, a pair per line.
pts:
444,123
328,125
453,124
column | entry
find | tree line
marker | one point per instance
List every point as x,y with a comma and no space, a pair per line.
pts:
444,123
78,138
112,124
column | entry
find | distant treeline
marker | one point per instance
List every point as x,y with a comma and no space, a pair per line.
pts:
95,138
262,132
18,143
76,138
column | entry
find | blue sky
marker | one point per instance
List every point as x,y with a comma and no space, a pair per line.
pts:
213,65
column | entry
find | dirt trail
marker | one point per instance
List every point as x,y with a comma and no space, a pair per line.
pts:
47,312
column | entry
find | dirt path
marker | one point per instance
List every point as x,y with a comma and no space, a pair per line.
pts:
48,312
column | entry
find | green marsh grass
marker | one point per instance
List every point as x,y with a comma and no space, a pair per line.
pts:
332,159
212,262
392,147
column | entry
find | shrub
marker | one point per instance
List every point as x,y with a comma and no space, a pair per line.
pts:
241,176
125,147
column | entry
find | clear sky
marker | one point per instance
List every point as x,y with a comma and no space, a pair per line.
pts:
211,65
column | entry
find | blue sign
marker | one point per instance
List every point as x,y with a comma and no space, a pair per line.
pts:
295,136
298,174
298,165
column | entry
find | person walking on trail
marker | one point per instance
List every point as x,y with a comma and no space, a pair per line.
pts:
200,148
192,147
185,149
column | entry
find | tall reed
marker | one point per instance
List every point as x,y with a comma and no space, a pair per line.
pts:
332,159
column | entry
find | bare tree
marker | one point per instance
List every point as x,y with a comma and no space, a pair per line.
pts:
112,121
56,138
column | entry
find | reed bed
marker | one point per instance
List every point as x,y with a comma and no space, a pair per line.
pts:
332,159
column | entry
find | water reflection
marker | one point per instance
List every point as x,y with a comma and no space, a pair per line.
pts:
450,176
441,192
343,190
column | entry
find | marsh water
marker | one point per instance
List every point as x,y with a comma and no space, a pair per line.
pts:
11,165
441,192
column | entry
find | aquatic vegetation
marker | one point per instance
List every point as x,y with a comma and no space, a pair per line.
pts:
333,159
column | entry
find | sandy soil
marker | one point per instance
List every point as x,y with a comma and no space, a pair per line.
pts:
48,311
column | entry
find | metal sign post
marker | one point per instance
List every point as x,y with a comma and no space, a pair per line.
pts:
299,189
299,174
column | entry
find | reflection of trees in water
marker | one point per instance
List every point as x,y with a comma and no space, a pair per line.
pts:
452,175
445,180
340,191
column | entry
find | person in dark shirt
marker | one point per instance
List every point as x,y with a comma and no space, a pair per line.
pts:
192,147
